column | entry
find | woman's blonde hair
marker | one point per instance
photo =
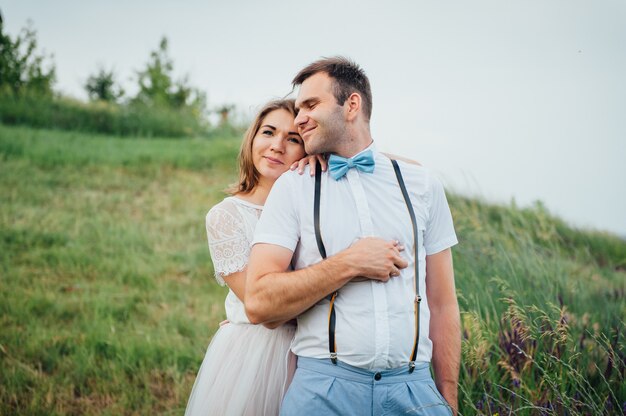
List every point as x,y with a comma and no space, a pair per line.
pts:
248,175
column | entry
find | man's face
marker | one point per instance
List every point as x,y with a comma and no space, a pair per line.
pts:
321,122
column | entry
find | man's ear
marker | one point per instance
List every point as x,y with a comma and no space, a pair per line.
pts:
353,106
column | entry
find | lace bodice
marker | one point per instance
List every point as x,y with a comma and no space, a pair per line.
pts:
230,228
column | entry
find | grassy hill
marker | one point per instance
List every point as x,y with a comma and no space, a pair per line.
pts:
107,301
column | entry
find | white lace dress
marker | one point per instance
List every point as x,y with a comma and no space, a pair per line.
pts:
246,367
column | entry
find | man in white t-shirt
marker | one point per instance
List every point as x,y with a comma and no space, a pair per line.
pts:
368,324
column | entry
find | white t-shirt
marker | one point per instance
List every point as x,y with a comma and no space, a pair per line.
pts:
375,321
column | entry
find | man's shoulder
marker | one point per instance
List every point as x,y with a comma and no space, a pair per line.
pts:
418,178
413,167
289,190
292,178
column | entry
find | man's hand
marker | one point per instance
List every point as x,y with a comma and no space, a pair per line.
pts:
375,258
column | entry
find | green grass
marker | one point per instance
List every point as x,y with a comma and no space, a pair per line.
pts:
107,300
106,297
543,313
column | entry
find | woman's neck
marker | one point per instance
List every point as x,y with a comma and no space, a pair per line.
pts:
258,194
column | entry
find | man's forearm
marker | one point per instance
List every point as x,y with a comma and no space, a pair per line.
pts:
445,334
281,296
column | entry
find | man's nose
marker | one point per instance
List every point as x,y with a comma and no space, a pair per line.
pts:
300,119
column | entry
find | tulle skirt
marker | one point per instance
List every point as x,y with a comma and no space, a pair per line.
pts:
246,371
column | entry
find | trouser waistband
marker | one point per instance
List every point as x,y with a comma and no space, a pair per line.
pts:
361,375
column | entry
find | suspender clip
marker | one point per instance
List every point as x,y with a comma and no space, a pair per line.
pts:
333,357
411,366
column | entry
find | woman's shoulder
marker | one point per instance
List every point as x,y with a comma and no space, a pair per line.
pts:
227,208
232,208
226,204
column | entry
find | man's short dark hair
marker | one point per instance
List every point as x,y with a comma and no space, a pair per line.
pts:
347,76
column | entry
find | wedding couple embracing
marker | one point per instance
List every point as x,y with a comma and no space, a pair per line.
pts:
340,269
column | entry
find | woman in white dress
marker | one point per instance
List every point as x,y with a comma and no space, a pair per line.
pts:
245,368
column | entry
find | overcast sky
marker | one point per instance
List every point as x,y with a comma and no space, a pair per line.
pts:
503,99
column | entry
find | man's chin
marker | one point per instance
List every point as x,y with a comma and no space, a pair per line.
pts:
309,148
312,147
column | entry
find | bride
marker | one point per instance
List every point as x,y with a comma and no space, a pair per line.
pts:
245,368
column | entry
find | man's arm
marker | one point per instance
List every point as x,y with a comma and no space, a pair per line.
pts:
273,294
445,325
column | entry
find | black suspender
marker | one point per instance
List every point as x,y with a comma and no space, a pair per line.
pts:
316,210
418,299
332,346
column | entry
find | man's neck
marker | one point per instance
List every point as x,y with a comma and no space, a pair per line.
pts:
354,143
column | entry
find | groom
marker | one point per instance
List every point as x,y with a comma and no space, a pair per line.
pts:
367,330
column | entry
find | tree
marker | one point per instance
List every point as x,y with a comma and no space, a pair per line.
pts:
157,87
22,68
224,111
102,86
155,82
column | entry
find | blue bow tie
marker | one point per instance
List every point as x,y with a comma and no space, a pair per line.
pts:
338,166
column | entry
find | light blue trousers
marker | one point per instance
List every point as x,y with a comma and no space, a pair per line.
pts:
320,387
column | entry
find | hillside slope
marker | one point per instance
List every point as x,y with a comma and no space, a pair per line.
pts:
107,301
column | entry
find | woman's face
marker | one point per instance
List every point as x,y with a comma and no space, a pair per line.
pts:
276,145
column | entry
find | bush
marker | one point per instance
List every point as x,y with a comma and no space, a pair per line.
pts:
102,86
99,117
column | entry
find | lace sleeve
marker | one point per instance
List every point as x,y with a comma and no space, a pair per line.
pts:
228,243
